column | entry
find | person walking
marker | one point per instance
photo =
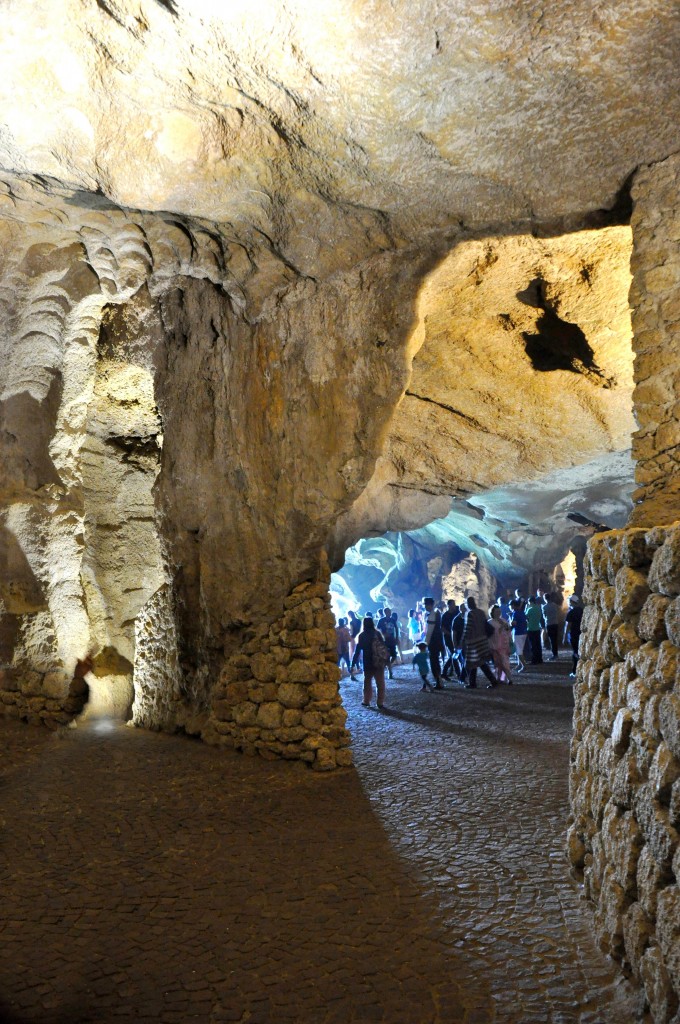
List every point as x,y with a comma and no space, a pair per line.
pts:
534,618
434,638
518,621
572,630
476,646
343,637
457,630
447,626
413,627
499,642
371,648
551,617
354,626
390,634
422,662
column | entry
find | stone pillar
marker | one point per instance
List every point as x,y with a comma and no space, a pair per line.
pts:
279,695
625,758
655,301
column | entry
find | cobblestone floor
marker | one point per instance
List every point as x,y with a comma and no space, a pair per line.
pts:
147,877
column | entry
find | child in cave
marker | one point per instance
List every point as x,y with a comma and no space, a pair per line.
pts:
422,662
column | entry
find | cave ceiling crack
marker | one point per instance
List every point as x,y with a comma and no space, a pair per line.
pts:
448,408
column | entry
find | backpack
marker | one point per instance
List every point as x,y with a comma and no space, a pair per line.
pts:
379,653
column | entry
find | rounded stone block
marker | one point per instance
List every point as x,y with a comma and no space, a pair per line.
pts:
56,684
263,667
664,771
664,575
269,715
634,551
638,931
652,623
669,720
623,724
245,714
631,592
667,666
302,672
673,621
620,641
293,695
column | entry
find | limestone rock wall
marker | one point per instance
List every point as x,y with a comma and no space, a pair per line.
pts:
625,765
175,447
522,365
655,298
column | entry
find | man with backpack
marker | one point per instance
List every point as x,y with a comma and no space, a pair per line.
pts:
371,647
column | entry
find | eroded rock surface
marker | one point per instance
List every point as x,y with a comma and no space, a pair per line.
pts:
523,365
315,122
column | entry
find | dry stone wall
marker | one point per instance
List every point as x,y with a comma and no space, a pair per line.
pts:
49,698
279,695
625,765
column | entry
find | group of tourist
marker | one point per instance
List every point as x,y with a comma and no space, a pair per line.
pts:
458,641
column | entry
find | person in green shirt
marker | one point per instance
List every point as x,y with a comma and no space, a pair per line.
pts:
535,624
422,662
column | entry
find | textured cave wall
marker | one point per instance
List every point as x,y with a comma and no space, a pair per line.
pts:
655,298
80,436
266,436
522,365
175,451
287,119
625,770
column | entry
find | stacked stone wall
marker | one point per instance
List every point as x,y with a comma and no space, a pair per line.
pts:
279,695
655,301
49,698
625,758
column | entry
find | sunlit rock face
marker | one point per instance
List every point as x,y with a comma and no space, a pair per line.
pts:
523,364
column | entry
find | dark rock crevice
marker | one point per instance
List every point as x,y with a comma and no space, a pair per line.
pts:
558,344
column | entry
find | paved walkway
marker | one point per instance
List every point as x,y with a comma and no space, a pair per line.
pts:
151,878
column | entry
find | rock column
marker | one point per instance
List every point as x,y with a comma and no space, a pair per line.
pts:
279,696
625,763
625,758
655,300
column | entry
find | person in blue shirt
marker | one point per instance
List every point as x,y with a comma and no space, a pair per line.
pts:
422,662
518,621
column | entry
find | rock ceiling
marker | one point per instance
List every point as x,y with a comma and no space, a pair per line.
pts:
334,128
